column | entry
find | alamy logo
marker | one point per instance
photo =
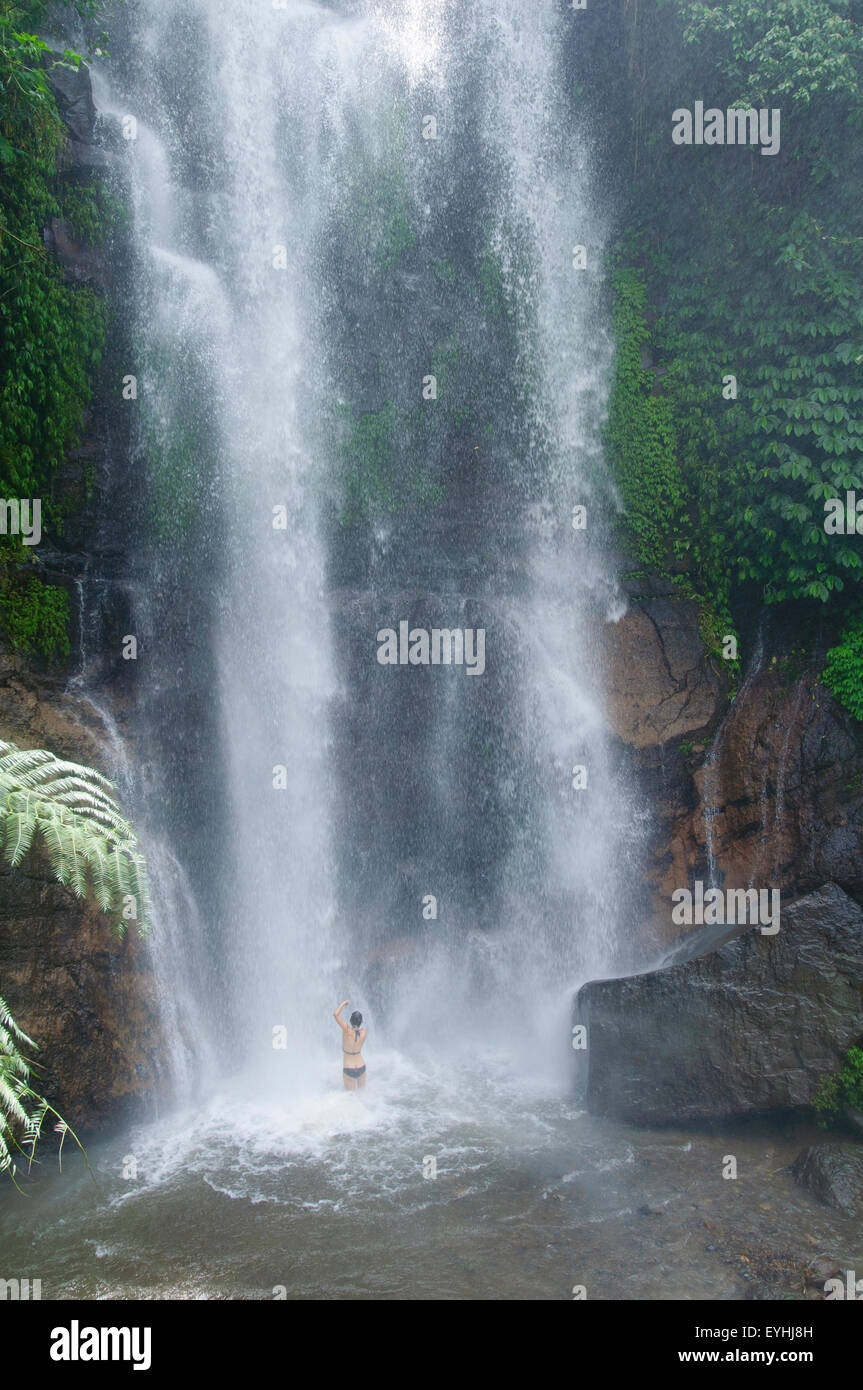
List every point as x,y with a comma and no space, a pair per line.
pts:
15,519
20,1289
76,1343
844,518
736,906
442,646
736,126
852,1288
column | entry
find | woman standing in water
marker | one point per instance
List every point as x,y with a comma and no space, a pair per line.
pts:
353,1066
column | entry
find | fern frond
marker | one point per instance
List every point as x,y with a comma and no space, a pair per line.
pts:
73,810
8,1022
20,828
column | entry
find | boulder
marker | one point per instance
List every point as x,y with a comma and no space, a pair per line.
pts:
745,1027
832,1174
660,683
86,997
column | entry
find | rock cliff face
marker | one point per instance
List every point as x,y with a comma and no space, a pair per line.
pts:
770,787
744,1029
86,998
763,792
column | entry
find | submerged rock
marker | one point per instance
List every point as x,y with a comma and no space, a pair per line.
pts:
833,1175
745,1027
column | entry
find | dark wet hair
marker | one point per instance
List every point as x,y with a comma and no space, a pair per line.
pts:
356,1020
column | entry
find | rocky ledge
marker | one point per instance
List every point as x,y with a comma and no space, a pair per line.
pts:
747,1026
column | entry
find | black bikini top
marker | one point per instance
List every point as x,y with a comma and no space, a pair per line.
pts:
347,1051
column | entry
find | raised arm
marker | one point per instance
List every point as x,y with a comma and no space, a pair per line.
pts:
340,1021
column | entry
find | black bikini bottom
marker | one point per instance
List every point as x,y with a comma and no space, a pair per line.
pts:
353,1072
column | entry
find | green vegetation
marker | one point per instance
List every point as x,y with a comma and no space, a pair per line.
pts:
378,212
35,615
844,1087
492,287
23,1111
758,276
641,431
445,271
843,669
93,212
71,809
373,482
51,333
174,438
772,50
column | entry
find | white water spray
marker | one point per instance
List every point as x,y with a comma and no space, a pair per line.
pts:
237,189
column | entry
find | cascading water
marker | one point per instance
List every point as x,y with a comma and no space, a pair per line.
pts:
365,356
560,878
267,207
371,377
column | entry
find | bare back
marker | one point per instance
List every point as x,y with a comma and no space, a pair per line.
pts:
352,1046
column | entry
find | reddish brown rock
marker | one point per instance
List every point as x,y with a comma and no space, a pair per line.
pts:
769,790
660,683
86,997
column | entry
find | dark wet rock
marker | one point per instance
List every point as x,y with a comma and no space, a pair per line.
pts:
73,91
832,1174
746,1028
854,1118
83,154
82,263
824,1266
87,998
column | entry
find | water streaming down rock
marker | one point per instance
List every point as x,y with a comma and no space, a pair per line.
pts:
568,897
300,127
310,250
710,778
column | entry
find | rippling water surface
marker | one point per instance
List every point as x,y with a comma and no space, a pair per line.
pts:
326,1198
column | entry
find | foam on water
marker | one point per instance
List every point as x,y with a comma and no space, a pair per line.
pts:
368,1143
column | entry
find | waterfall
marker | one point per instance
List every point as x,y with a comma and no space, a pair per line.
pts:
360,522
371,366
711,784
